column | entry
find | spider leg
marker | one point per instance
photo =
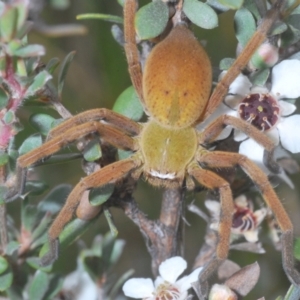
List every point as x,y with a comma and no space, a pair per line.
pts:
111,117
108,174
212,181
260,35
220,159
131,50
110,134
215,128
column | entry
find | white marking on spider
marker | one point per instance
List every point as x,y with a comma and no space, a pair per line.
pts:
161,175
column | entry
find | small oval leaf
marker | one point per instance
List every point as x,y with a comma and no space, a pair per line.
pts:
42,123
6,280
38,83
30,51
99,195
92,151
8,23
129,105
244,25
55,199
38,286
232,4
3,264
151,20
30,143
200,14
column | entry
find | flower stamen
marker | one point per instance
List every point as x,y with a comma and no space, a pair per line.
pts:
261,110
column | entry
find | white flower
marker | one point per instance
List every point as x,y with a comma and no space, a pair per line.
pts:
264,109
245,221
278,125
79,286
165,285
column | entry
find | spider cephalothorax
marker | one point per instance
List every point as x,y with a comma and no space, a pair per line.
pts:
174,89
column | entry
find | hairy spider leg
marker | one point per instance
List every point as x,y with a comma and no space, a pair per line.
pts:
211,132
213,181
109,174
131,50
239,64
98,114
112,135
220,159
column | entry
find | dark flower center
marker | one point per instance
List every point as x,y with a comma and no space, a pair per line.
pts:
261,110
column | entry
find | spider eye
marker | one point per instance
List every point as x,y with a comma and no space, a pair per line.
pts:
261,110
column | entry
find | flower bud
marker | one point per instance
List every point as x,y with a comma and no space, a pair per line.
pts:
266,56
221,292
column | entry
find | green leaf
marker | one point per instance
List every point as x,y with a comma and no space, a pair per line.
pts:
55,286
29,216
41,228
3,98
35,187
30,143
3,158
123,154
117,286
98,196
60,4
38,286
34,262
260,78
39,82
293,20
293,293
42,123
151,20
104,17
59,158
31,64
226,63
244,25
121,2
232,4
217,5
252,7
297,248
92,151
278,28
14,293
52,65
6,279
71,232
117,251
113,229
129,105
30,51
290,36
200,14
64,70
11,247
55,199
8,23
3,265
9,117
22,9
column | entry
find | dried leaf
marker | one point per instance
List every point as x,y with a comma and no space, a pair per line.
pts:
227,268
244,280
249,247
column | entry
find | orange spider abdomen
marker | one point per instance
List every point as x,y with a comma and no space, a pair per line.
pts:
177,79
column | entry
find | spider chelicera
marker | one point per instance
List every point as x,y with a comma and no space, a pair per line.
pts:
174,89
